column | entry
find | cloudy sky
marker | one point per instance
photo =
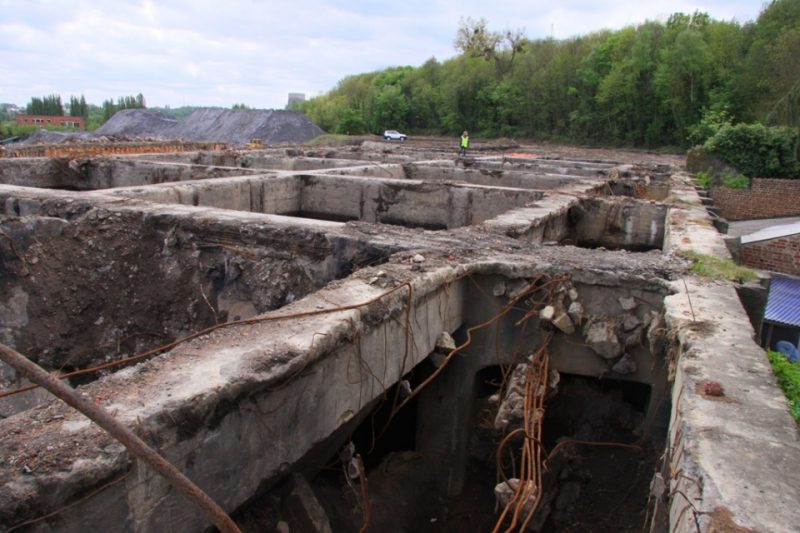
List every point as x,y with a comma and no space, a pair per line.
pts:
217,53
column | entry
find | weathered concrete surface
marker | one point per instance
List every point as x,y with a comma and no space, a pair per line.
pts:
175,270
733,448
619,223
236,408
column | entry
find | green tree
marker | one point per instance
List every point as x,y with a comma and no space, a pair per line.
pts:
48,105
78,107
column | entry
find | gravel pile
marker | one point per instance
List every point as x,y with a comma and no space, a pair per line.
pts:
233,126
58,137
236,127
137,123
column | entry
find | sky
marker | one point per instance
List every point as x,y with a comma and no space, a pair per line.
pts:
255,52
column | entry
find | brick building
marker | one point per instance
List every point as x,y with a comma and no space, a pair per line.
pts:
48,120
776,249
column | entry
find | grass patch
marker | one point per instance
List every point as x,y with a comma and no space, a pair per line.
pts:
712,267
788,374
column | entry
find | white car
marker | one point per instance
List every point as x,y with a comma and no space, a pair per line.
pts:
394,135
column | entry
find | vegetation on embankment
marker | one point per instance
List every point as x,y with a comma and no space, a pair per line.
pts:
788,374
709,266
647,85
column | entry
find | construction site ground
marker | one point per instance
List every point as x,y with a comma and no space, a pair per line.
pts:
303,293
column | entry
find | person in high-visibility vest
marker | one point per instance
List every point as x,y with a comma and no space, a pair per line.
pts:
464,144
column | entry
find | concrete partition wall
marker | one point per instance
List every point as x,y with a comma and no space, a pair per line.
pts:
620,223
407,203
488,176
40,172
234,418
257,194
448,402
733,458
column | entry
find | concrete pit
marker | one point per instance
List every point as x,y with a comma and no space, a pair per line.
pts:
389,307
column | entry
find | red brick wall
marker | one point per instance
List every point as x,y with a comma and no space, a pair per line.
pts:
767,198
778,255
47,120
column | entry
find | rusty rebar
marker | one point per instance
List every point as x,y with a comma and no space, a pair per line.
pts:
134,444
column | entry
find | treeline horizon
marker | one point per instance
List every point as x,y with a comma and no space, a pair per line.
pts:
648,85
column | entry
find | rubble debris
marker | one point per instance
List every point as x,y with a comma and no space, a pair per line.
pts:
627,303
575,312
624,365
564,323
445,342
601,336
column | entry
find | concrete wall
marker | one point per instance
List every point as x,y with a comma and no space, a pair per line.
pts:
733,447
499,177
83,278
619,223
35,172
408,203
234,412
102,173
767,198
257,194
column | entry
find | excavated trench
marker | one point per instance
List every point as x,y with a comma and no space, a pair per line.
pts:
431,464
85,285
169,245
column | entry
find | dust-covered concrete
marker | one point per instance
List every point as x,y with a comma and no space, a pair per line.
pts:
326,278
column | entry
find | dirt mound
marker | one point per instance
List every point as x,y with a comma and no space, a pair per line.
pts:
57,137
238,126
233,126
137,123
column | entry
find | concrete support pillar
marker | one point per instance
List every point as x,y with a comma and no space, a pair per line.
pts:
445,412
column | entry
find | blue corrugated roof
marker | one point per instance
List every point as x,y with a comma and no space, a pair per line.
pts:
783,302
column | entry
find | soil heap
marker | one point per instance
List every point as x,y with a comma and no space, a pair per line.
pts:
236,127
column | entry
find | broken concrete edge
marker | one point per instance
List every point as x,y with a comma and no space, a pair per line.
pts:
732,447
185,391
199,392
736,448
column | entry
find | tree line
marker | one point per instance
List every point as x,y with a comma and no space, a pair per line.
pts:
51,105
649,85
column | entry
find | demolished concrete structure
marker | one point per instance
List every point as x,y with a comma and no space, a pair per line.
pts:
251,314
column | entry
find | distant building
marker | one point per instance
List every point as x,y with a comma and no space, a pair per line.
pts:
47,120
295,99
776,248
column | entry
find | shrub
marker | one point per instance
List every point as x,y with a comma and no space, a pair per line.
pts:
711,122
705,179
736,181
756,150
788,374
